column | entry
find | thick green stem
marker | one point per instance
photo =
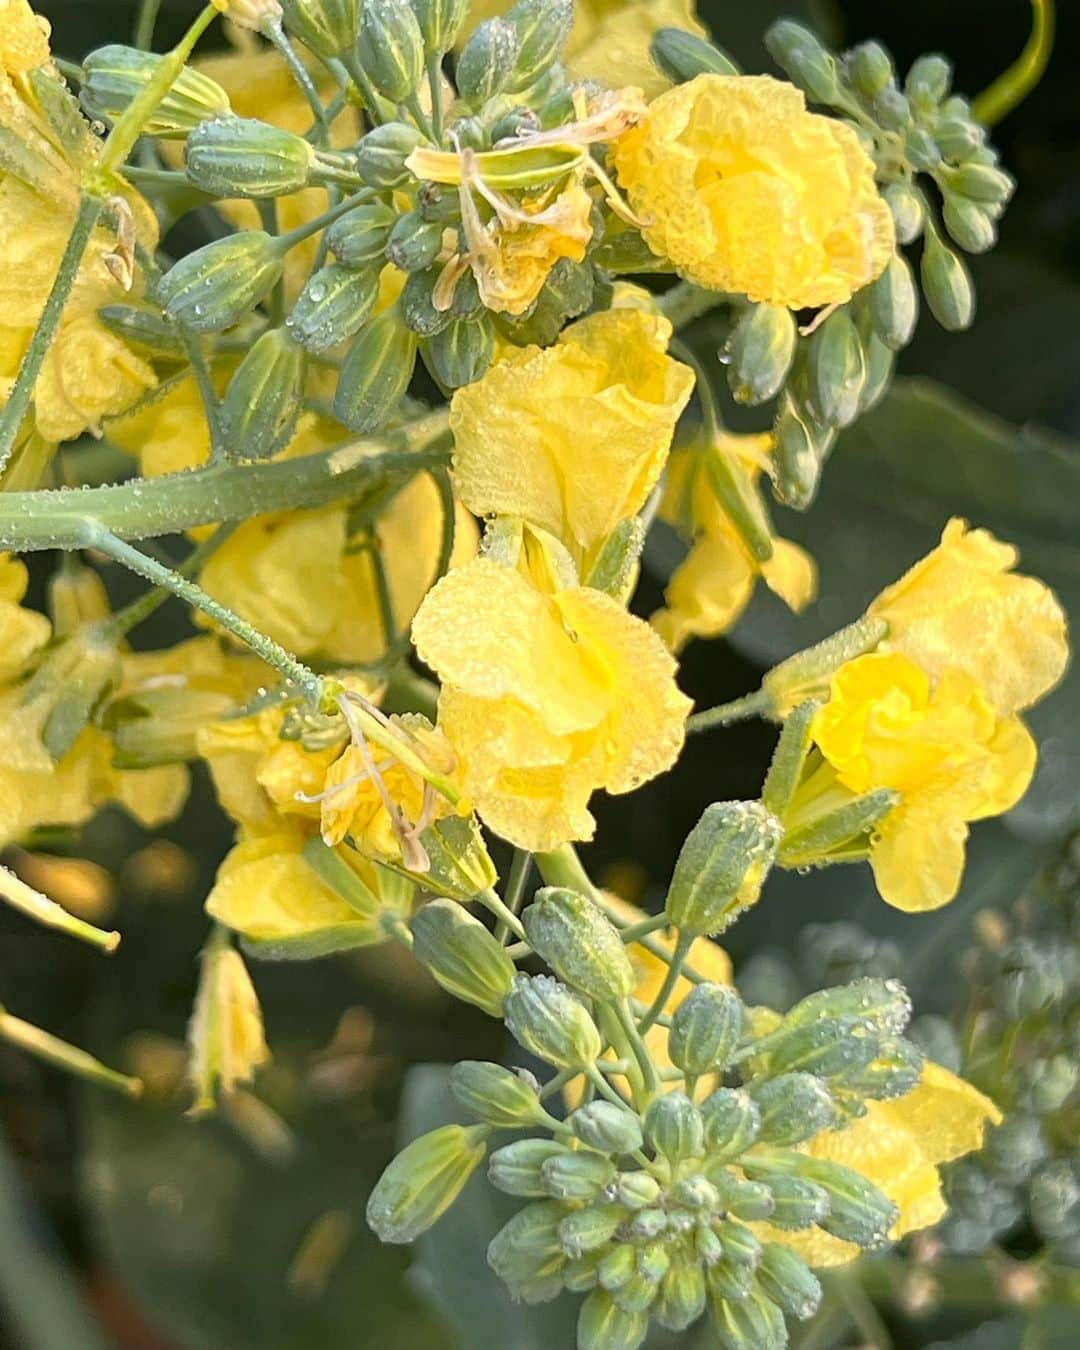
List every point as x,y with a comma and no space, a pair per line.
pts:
1012,87
492,902
515,888
42,910
674,970
738,710
434,79
55,1051
640,1051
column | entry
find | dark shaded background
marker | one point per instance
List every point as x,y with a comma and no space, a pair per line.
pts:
183,1236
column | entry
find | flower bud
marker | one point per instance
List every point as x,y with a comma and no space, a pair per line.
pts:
947,285
895,1070
414,242
212,288
542,27
333,306
390,48
359,236
516,1169
785,1278
880,365
800,451
487,61
732,1123
722,866
682,56
327,27
146,329
797,1203
983,183
577,1176
581,946
259,16
74,677
739,1244
376,373
587,1229
603,1325
460,353
803,58
675,1127
243,157
424,1180
417,304
616,567
528,1242
894,303
817,840
907,211
464,958
929,78
728,1282
637,1294
823,1048
837,369
705,1030
459,865
636,1190
381,154
115,75
749,1200
891,110
441,21
761,349
546,1019
496,1095
869,68
260,405
607,1127
858,1212
751,1323
681,1298
884,1005
617,1266
968,224
958,139
794,1107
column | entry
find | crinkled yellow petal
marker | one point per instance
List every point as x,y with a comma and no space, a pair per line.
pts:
22,631
791,574
707,591
24,37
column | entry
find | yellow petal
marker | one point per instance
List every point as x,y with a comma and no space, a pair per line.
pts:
24,37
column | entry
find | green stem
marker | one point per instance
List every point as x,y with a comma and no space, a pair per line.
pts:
47,912
634,932
22,391
1014,85
434,79
603,1086
686,302
710,412
738,710
367,89
492,902
674,970
520,867
145,21
277,36
140,609
204,383
639,1049
310,227
69,1057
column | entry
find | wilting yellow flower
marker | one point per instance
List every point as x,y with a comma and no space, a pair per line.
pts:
572,438
943,747
511,261
709,590
22,631
610,39
546,697
225,1035
899,1146
24,37
963,606
746,191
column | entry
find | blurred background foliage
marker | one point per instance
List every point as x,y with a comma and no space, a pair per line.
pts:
134,1227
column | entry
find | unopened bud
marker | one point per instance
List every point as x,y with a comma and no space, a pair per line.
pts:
487,61
260,405
546,1019
636,1190
761,349
884,1005
615,570
359,237
682,56
869,68
837,369
464,958
705,1030
607,1127
983,183
577,1176
894,303
441,21
145,329
579,943
858,1212
617,1266
929,77
681,1298
722,866
785,1278
381,154
797,1203
390,48
675,1127
923,151
115,75
414,242
210,289
496,1095
327,27
603,1325
958,139
739,1244
891,109
947,285
587,1229
333,306
895,1070
728,1282
460,353
424,1180
243,157
750,1323
732,1123
748,1200
417,304
803,58
794,1107
969,224
376,373
907,211
542,27
516,1169
528,1242
801,447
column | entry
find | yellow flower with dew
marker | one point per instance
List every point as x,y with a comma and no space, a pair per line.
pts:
941,745
746,191
24,37
712,586
546,696
572,438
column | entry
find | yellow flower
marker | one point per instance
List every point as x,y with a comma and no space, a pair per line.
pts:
746,191
709,590
572,438
511,261
225,1034
899,1146
546,697
22,631
24,37
610,39
943,747
963,606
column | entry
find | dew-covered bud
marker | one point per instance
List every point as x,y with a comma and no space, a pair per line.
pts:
577,1176
749,1200
146,329
359,237
616,567
637,1294
947,285
727,1281
417,304
542,27
516,1168
803,58
760,351
923,152
636,1190
837,369
705,1029
424,1180
907,211
695,1192
327,27
674,1127
441,21
794,1107
929,78
858,1212
464,958
381,154
894,1071
680,1300
869,68
115,75
739,1244
585,1230
894,303
243,157
603,1325
607,1127
882,1004
390,48
579,943
487,61
546,1019
722,866
497,1095
259,409
333,306
461,352
376,373
581,1274
785,1278
968,224
958,139
801,446
414,242
647,1224
682,56
732,1123
210,289
797,1202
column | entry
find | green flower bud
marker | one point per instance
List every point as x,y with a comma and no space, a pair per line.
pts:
739,1244
542,27
785,1278
983,183
381,154
722,866
654,1261
682,56
577,1176
923,152
637,1294
333,306
706,1028
243,157
824,1048
465,959
517,1168
496,1095
803,58
858,1212
730,1282
441,21
461,352
390,48
359,237
258,412
968,224
568,292
884,1005
681,1297
732,1123
487,62
958,139
674,1127
424,1180
586,1230
615,570
414,242
752,1323
527,1242
896,1070
145,329
761,349
607,1127
869,68
880,365
929,77
947,285
891,110
602,1324
647,1224
907,211
580,945
212,288
1054,1197
839,828
797,1203
74,677
417,304
636,1190
749,1200
617,1266
801,447
327,27
115,75
546,1019
794,1107
376,373
1050,1083
837,369
894,303
696,1192
581,1274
